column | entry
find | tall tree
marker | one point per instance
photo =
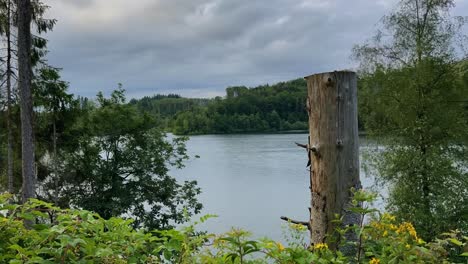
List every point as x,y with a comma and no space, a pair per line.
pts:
409,91
6,10
8,25
8,74
26,101
50,95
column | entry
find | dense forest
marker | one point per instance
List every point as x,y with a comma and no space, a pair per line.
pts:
265,108
165,107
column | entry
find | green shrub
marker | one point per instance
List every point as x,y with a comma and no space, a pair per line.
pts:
79,236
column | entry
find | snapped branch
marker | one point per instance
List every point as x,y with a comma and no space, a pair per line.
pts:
289,220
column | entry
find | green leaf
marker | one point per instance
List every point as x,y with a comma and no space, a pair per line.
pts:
17,248
104,252
456,242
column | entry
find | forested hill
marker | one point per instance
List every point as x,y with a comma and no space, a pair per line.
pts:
265,108
165,107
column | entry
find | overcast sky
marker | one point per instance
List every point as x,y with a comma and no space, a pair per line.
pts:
197,48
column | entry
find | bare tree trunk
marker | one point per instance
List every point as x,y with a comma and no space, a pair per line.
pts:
10,164
24,84
55,161
333,146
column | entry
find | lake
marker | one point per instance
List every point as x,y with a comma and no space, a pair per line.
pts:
249,181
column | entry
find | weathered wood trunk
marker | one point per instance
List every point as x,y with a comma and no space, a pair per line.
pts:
333,146
26,105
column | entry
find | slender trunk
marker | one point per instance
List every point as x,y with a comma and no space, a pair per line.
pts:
24,84
55,163
426,188
9,118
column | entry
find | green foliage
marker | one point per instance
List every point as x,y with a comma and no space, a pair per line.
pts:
103,156
411,92
75,237
80,236
54,107
116,163
165,107
260,109
264,108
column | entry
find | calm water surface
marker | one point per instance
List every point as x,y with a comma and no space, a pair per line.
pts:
249,181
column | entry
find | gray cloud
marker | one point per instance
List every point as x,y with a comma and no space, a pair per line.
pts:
199,47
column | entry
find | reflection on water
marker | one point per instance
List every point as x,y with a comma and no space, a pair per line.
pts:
249,181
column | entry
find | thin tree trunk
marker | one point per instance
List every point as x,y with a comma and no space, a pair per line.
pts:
333,145
10,148
56,178
24,84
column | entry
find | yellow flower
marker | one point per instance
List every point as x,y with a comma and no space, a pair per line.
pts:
407,246
420,241
280,246
385,233
320,246
389,217
407,227
374,261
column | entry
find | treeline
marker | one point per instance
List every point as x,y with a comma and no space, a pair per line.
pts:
265,108
165,107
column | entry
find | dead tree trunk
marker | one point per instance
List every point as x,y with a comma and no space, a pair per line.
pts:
333,150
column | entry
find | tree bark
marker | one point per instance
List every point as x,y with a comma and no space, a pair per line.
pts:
334,151
24,84
10,164
55,161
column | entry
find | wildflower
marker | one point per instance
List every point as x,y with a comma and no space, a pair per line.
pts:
320,246
385,233
407,246
412,232
407,227
388,216
280,246
420,241
374,261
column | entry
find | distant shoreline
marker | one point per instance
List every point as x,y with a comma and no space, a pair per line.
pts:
361,133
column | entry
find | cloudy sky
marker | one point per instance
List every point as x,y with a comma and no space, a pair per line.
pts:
197,48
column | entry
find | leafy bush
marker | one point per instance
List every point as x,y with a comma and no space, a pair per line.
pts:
78,236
